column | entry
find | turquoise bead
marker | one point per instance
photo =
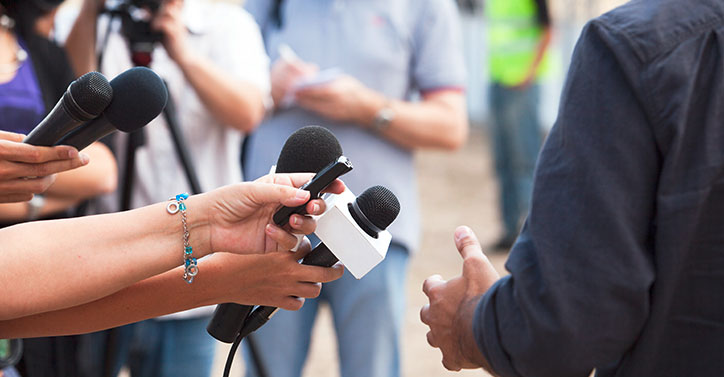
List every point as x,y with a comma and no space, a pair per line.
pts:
181,206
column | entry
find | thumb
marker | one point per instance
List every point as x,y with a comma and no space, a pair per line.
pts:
467,243
266,193
477,268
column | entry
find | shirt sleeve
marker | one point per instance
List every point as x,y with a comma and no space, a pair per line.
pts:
580,273
437,50
239,50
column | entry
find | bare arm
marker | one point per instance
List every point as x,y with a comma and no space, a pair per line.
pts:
269,279
52,265
438,121
230,101
541,48
81,41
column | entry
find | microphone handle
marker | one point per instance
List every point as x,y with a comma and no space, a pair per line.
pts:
88,133
227,321
53,127
320,256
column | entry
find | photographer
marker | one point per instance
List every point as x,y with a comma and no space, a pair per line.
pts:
212,58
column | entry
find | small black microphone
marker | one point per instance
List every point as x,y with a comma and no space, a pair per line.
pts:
84,100
373,211
139,95
309,149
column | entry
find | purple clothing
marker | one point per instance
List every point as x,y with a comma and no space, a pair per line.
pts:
21,102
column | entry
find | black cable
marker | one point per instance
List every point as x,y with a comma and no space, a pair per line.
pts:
232,352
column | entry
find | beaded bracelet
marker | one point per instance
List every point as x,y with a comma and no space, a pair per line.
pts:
191,268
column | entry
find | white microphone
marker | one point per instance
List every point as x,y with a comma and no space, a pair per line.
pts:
352,228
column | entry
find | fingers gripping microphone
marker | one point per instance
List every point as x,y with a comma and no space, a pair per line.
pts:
355,235
139,95
309,149
84,100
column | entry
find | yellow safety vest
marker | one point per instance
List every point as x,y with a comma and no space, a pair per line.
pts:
513,35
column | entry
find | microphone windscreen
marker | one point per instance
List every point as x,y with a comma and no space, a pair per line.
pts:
92,93
379,205
139,95
309,149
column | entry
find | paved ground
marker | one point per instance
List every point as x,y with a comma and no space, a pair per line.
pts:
456,188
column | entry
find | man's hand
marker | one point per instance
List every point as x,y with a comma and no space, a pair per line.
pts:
345,99
452,305
285,73
26,169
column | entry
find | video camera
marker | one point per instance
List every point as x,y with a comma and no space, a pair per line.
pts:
136,17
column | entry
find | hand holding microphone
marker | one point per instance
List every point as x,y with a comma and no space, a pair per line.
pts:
19,161
356,235
309,149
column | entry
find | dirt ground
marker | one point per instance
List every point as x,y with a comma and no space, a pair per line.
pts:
455,189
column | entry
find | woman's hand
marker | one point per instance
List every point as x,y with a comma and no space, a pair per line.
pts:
273,279
26,169
240,216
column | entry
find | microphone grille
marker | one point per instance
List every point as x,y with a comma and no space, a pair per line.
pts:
309,149
92,93
139,95
379,205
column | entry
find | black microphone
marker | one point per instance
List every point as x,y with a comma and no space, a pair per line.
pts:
309,149
373,211
84,100
139,95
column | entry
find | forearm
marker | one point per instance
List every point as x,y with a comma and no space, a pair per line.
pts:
245,279
13,212
540,52
153,297
81,40
438,121
233,102
99,177
52,265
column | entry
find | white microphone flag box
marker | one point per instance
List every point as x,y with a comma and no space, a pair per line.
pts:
359,251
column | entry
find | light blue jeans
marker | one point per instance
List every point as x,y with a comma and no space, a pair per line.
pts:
368,315
151,348
517,138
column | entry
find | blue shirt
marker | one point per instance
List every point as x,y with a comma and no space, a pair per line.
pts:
398,48
21,101
620,266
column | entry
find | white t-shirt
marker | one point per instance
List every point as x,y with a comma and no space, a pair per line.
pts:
229,38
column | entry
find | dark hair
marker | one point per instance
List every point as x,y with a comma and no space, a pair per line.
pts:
26,12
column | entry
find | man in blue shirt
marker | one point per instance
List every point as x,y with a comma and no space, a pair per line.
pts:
355,67
619,266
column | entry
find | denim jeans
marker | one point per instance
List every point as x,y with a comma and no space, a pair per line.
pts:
153,348
517,138
368,316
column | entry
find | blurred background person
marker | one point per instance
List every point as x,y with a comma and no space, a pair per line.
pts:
359,68
212,58
519,32
34,77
